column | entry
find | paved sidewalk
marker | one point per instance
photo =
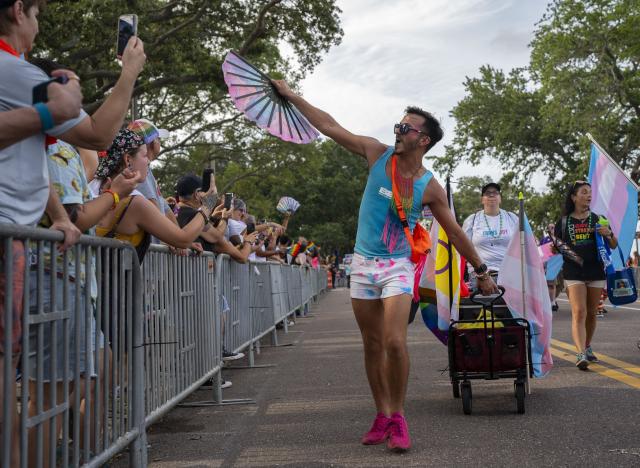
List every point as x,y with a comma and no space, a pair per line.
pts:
312,408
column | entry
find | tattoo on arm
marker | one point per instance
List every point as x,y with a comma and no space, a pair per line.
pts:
210,201
72,211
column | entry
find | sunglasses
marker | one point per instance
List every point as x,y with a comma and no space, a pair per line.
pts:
579,183
405,128
490,193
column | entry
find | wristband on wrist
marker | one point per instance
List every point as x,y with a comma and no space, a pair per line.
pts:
116,197
46,119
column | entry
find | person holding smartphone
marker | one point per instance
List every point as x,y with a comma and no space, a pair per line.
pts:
25,190
382,276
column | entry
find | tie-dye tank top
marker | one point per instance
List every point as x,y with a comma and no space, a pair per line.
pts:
380,233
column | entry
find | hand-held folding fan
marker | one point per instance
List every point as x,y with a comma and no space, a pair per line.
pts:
288,205
253,93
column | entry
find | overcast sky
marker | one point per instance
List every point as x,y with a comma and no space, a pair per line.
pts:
396,53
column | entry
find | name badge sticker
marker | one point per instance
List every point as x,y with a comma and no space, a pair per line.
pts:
386,193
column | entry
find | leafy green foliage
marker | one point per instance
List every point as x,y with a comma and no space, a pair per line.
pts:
181,87
583,77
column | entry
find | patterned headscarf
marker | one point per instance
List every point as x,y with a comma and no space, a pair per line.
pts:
125,141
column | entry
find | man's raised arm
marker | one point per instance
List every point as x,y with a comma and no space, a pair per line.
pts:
367,147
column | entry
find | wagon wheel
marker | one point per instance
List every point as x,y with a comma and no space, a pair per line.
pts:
466,397
520,395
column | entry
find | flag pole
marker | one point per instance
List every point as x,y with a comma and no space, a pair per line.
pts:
449,259
593,140
522,278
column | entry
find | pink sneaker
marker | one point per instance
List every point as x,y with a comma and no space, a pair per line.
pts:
399,440
379,430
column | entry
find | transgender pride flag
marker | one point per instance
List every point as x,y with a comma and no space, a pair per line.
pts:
536,307
614,196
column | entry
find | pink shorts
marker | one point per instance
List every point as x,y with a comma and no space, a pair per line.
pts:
377,278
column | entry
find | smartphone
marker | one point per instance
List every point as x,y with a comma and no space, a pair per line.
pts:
228,199
127,27
206,179
39,92
251,227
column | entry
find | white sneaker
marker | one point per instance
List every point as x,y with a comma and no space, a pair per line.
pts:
230,356
226,384
291,323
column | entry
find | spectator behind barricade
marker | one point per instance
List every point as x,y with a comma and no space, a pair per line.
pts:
300,254
212,239
149,188
235,223
265,244
490,230
25,191
315,259
283,244
135,218
67,176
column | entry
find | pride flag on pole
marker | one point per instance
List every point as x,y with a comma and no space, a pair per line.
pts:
614,196
439,300
532,304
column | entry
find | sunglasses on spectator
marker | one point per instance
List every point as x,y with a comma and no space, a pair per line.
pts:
491,193
405,128
579,183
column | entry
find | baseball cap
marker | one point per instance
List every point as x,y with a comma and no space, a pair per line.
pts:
187,185
147,130
486,187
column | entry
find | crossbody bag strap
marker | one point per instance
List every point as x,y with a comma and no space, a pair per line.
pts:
396,199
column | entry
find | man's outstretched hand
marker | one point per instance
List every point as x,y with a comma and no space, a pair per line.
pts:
283,88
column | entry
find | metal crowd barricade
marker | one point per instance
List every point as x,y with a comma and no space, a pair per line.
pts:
262,315
149,338
181,325
233,299
279,294
84,335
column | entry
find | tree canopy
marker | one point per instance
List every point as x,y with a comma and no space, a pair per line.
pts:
181,87
582,78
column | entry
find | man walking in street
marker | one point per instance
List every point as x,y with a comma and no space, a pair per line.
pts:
382,273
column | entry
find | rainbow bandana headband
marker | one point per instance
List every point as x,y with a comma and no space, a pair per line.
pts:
147,130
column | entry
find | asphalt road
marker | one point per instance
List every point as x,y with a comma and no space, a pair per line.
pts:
312,408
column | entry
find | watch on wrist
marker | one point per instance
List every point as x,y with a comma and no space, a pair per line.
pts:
481,269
